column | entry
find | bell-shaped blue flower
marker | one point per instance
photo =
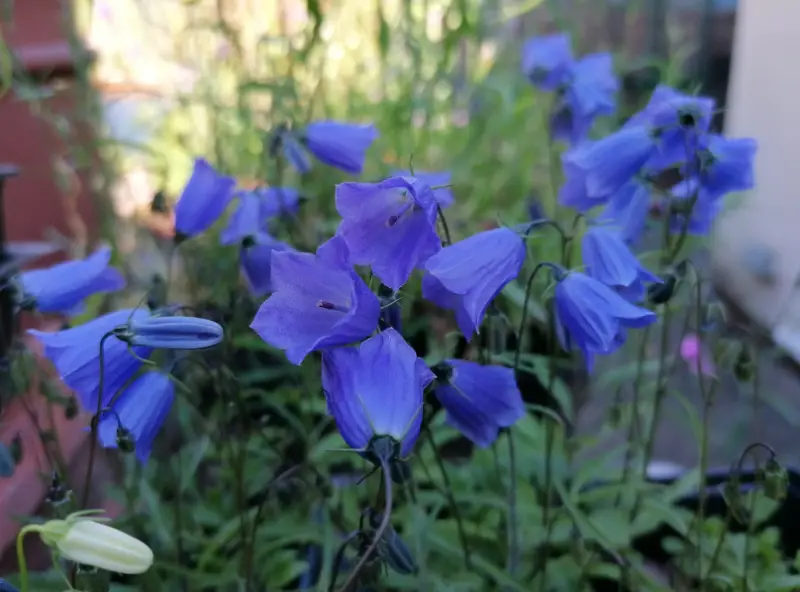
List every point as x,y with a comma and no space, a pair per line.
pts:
294,153
546,61
140,412
466,277
726,164
246,221
204,199
318,301
278,201
572,194
613,161
443,195
679,120
340,145
75,353
627,210
173,332
63,287
256,262
390,226
588,93
479,400
607,258
592,318
375,389
692,209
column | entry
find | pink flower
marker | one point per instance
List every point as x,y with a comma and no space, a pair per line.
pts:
696,356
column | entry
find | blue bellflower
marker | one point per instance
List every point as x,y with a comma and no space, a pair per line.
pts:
479,400
609,163
467,276
278,201
679,120
443,195
375,389
63,287
692,209
726,164
390,226
318,301
294,153
572,194
246,221
608,259
140,410
256,262
173,332
75,353
546,61
628,209
204,199
340,145
592,318
589,93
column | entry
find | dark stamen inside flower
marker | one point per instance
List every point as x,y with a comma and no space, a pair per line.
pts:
330,306
686,119
395,218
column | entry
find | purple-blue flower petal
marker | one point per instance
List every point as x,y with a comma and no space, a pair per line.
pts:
204,199
256,262
62,287
141,409
479,400
340,145
390,226
444,195
546,61
246,221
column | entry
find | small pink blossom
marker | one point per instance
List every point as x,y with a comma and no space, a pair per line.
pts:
696,356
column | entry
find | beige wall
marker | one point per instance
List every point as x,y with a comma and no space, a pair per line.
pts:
764,103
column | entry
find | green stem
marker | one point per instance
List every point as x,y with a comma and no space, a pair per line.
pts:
23,565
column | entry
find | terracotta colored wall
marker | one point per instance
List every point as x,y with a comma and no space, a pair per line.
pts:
34,201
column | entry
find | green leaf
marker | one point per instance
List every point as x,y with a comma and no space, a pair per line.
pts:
779,583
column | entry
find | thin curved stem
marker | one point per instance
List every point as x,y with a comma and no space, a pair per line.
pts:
513,537
524,319
95,423
387,516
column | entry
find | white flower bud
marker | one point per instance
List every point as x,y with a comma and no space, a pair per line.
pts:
93,543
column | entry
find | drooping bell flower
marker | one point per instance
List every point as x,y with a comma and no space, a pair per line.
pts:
587,93
256,262
609,163
546,60
139,412
573,194
627,210
278,201
726,164
204,199
375,390
592,318
466,276
679,121
294,153
443,195
318,301
247,227
172,332
246,220
63,287
340,145
390,226
608,259
692,209
479,400
75,353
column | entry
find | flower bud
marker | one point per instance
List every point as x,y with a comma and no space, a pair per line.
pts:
88,542
776,481
173,332
733,497
126,443
743,365
662,293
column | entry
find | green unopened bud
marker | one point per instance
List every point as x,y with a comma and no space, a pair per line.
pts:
776,480
733,497
125,441
743,366
662,293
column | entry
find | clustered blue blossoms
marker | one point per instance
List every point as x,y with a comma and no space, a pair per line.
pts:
612,182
